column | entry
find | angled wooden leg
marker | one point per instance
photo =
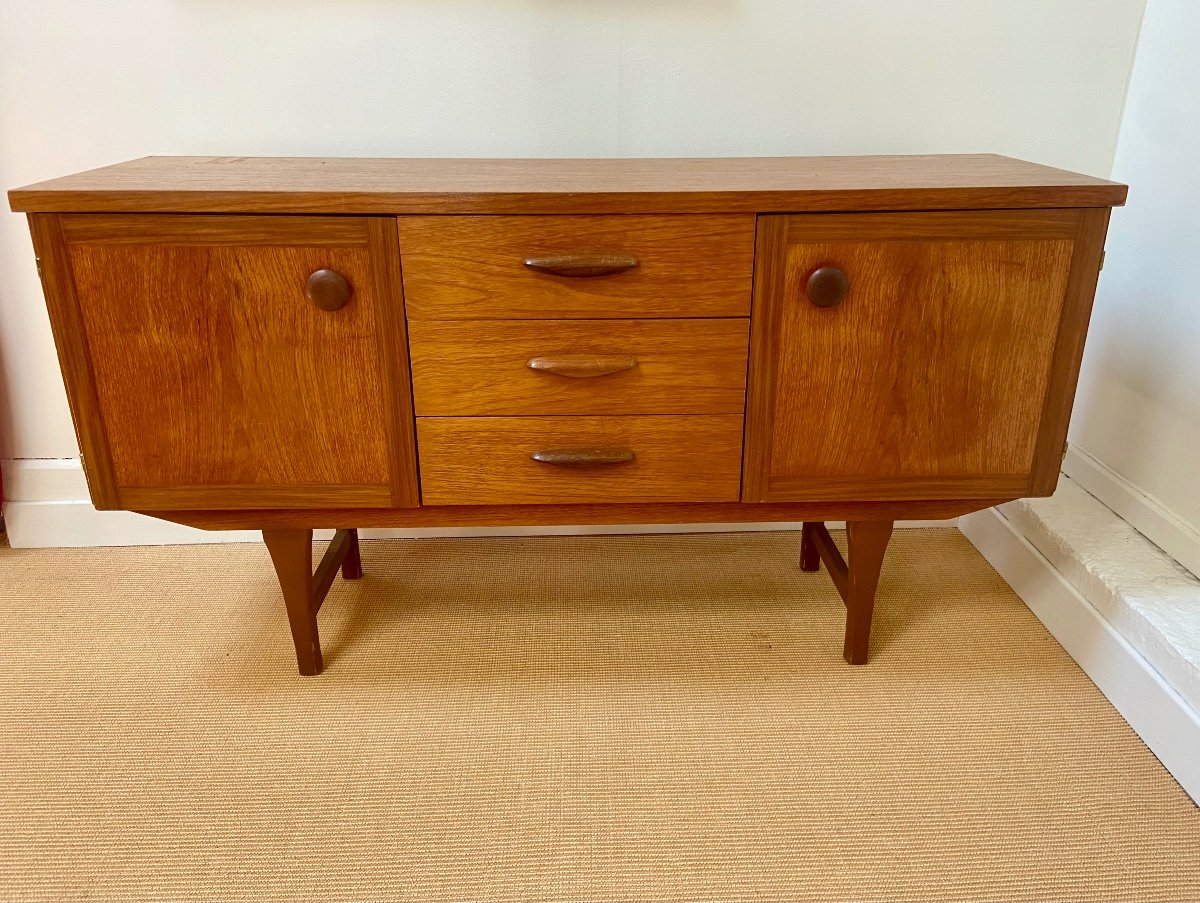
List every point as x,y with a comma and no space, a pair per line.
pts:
291,553
866,543
303,590
352,563
810,558
856,580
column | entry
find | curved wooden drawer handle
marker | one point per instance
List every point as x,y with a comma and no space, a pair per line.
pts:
576,456
583,366
582,264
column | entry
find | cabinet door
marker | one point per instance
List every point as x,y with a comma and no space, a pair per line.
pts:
213,380
946,367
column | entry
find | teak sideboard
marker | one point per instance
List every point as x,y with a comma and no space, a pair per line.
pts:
301,343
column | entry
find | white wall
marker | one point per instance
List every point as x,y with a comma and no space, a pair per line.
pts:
86,84
1137,415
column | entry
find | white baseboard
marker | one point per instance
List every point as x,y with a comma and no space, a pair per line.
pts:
49,508
1143,512
46,506
44,480
1159,715
40,525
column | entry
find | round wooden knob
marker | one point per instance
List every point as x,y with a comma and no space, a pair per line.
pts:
328,289
827,286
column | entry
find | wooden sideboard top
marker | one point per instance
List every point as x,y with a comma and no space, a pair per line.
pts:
700,185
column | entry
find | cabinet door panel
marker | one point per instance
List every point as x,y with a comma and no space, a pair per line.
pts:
929,378
220,384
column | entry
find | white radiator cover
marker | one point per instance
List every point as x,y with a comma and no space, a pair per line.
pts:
1151,600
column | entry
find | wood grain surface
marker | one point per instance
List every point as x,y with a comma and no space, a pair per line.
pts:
74,357
698,185
202,378
219,496
212,368
172,229
470,367
434,516
928,380
487,460
473,267
1068,351
391,342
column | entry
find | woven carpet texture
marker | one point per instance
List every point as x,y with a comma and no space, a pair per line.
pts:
644,718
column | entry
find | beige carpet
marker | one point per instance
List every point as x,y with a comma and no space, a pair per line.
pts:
633,718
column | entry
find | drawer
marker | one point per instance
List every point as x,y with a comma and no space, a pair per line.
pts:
546,267
474,367
489,460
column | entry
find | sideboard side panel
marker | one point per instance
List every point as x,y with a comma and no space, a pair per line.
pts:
1068,350
70,340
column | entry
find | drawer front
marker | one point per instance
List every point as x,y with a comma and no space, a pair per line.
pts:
474,267
487,367
489,460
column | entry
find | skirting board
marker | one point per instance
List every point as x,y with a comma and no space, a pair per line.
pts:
1164,720
1143,512
49,509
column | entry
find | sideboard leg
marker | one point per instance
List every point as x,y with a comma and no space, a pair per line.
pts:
810,557
856,579
291,553
352,563
866,543
303,589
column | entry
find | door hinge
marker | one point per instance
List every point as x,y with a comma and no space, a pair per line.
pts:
1102,255
38,261
1066,445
